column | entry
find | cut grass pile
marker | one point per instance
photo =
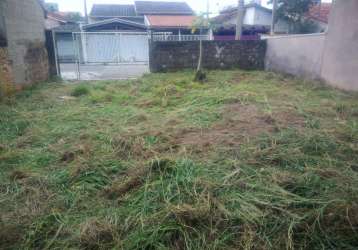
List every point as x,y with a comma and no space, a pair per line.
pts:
246,160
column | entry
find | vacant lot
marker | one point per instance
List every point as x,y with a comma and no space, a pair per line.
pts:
247,160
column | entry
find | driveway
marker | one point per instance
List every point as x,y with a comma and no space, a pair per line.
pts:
103,72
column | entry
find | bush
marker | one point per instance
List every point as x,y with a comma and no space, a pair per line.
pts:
80,91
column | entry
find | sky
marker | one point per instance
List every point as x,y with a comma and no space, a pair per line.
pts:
197,5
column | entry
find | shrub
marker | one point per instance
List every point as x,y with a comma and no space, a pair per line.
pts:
80,91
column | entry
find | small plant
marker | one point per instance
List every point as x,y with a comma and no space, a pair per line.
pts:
200,76
80,90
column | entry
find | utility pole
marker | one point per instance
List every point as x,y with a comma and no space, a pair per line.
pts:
273,21
240,19
86,13
208,9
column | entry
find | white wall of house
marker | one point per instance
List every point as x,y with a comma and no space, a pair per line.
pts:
249,18
262,17
253,16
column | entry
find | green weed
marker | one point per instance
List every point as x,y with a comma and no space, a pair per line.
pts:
80,90
245,160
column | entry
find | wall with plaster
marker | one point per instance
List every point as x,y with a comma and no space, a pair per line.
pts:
25,34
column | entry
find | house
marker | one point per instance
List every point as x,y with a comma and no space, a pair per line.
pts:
257,20
62,24
56,18
175,18
119,33
23,52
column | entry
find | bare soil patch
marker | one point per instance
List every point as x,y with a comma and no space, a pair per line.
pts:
239,124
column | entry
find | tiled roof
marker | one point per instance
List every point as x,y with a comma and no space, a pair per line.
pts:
170,21
112,21
113,10
169,8
320,12
59,16
136,19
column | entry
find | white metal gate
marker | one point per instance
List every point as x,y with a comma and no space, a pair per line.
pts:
112,47
103,51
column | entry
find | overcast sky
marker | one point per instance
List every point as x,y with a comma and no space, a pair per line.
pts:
197,5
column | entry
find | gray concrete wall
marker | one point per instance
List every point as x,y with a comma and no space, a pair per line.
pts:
299,55
340,60
25,32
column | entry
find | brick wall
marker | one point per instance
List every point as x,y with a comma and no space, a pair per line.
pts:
171,56
25,32
6,81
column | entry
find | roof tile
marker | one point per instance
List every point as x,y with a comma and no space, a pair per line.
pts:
113,10
320,12
170,21
169,8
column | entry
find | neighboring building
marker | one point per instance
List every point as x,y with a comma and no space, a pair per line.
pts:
62,25
257,20
99,41
331,56
319,14
170,17
102,12
54,20
23,53
64,42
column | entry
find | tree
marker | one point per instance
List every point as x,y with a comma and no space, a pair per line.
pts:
293,11
74,17
51,7
200,23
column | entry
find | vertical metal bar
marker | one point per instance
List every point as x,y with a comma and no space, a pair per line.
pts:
84,46
58,70
74,38
119,36
78,59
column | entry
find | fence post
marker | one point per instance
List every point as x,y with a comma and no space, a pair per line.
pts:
58,70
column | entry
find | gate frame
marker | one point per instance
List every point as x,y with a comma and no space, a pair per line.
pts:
75,35
77,48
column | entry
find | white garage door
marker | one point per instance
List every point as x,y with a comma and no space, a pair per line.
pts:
113,47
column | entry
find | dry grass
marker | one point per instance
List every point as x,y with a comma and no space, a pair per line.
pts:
245,160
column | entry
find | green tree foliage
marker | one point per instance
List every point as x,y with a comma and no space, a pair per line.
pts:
51,7
293,12
74,17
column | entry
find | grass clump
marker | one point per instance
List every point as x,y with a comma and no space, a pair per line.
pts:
248,160
80,90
